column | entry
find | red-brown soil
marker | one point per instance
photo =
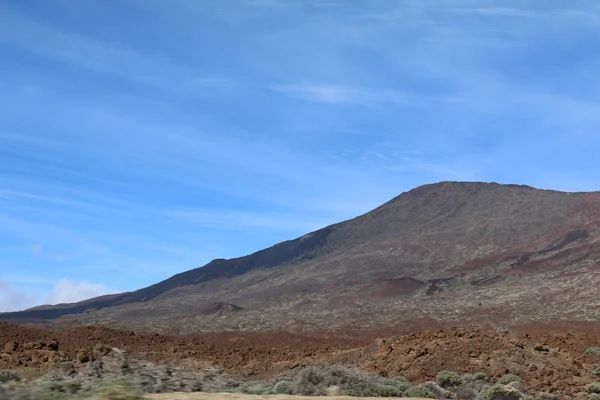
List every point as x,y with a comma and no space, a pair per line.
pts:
548,358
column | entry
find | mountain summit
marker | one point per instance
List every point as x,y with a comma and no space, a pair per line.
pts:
446,252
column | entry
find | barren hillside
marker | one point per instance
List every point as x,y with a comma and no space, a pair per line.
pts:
469,252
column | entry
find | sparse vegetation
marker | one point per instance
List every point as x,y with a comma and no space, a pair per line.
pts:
71,390
471,385
419,391
7,376
466,393
594,388
72,368
260,388
284,387
401,383
509,378
448,379
314,381
438,391
500,392
592,351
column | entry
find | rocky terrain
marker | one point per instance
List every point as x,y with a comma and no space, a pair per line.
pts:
453,290
546,359
454,252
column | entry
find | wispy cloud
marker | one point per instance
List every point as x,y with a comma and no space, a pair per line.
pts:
337,94
112,57
496,12
17,298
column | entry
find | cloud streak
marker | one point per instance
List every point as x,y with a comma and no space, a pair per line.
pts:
337,94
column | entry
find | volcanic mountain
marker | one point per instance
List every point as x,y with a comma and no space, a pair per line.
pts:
452,252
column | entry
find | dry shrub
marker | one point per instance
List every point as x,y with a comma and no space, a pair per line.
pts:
284,387
438,391
259,388
7,376
594,388
448,379
314,382
69,390
472,385
500,392
509,378
419,391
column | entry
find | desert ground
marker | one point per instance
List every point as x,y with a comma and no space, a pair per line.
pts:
545,359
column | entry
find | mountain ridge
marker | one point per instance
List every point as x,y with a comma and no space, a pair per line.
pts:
453,236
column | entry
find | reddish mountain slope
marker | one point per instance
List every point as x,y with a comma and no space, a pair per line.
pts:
453,251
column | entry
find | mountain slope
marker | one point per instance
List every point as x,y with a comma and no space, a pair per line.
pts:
442,252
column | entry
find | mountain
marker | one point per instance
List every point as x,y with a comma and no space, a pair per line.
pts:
454,252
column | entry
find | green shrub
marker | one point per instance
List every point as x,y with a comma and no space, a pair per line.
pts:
448,379
313,382
7,376
257,388
472,385
400,382
592,351
387,391
478,376
284,387
509,378
419,391
500,392
71,390
438,391
597,370
466,393
594,387
310,382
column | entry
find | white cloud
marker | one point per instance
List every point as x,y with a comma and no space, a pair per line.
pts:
13,298
68,291
17,298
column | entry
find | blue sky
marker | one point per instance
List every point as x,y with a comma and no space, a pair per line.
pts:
142,138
